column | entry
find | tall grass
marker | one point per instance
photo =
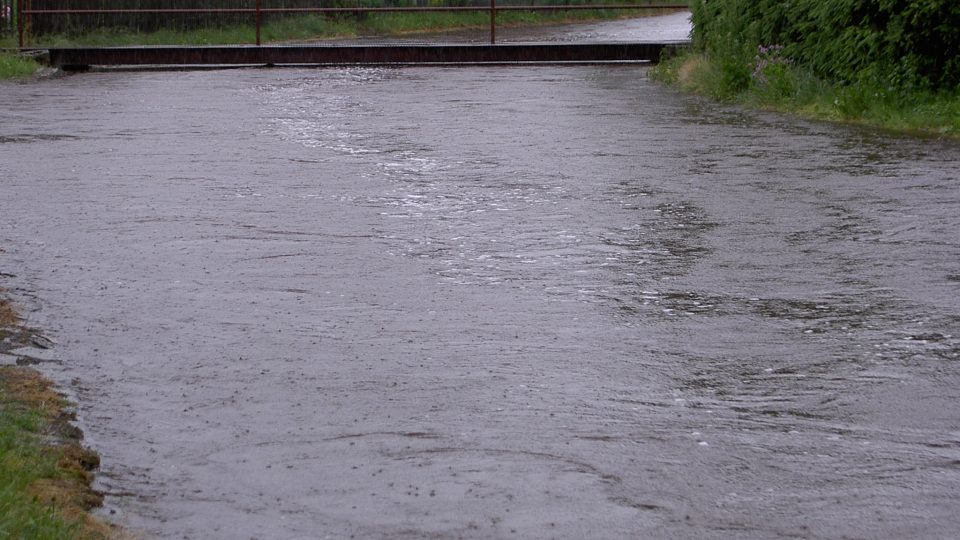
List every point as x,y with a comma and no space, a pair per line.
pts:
13,65
23,461
794,88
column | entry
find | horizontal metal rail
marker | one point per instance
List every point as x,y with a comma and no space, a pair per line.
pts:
81,58
24,13
394,9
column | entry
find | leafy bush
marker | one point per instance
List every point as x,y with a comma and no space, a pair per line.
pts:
895,43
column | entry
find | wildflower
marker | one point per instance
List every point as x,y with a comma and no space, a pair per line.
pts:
766,57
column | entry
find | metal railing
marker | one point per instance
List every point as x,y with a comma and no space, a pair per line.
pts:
257,12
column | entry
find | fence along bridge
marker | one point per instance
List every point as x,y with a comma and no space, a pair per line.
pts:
259,54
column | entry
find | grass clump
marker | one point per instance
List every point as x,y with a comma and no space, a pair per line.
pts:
45,473
14,66
8,317
785,86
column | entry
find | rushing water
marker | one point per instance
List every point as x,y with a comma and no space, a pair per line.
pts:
537,302
659,29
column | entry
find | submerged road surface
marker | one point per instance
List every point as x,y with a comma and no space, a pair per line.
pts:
539,302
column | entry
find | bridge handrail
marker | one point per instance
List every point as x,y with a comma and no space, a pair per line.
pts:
24,13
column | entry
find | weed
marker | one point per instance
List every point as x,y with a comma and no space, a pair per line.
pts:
15,66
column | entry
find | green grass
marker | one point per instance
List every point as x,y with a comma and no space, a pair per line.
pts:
785,87
15,66
23,462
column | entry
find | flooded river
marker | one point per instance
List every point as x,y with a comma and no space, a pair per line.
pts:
531,302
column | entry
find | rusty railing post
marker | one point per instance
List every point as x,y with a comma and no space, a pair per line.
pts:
493,22
20,23
258,23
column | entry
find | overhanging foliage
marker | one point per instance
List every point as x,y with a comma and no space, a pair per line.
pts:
901,43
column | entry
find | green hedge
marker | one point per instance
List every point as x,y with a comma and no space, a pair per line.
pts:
900,43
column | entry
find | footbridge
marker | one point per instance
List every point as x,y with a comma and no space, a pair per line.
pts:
34,16
80,58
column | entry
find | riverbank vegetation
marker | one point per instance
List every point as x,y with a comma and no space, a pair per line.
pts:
45,473
895,65
13,66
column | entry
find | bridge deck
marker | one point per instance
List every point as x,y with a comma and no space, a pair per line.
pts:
84,57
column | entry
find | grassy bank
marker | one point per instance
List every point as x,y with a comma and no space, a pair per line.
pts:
14,66
775,82
44,471
886,64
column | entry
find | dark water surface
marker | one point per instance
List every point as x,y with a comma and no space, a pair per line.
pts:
538,302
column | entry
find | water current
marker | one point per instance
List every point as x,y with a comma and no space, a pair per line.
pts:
487,302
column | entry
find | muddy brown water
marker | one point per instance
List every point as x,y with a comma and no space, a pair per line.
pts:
532,302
